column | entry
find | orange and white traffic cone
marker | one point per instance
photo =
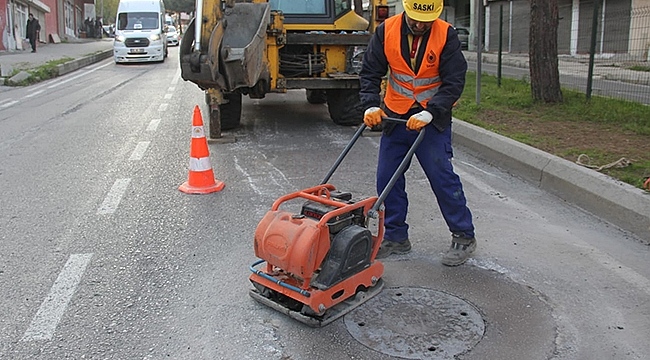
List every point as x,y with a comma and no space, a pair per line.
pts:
201,179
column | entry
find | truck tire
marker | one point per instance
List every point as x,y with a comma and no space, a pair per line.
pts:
316,96
228,114
231,111
344,106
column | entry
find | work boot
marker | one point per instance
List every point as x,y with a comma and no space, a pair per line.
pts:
461,249
388,247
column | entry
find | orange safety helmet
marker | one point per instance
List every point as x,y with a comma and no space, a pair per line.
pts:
423,10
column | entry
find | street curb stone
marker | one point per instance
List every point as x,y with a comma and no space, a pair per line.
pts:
75,64
619,203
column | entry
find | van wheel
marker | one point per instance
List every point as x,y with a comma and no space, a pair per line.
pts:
344,106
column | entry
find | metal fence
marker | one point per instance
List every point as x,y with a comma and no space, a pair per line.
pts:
609,39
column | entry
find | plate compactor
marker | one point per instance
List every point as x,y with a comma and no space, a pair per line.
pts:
319,264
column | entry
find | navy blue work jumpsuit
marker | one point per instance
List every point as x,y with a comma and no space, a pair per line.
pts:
435,151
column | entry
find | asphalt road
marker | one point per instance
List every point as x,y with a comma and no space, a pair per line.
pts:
103,258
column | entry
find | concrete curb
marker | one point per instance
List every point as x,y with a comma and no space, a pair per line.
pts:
619,203
75,64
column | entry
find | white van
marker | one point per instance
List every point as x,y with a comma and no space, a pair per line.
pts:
140,31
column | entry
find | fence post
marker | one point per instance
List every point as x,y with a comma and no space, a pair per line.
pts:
500,45
479,49
592,49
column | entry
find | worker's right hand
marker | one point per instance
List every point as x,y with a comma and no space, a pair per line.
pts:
372,116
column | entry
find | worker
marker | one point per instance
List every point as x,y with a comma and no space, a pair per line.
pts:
426,75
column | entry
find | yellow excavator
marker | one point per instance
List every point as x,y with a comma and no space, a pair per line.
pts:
233,48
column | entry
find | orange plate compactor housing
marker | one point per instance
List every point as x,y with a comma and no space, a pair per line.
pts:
318,264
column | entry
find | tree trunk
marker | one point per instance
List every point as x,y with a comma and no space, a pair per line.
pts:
544,73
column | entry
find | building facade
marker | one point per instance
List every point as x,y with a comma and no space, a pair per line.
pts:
623,26
63,18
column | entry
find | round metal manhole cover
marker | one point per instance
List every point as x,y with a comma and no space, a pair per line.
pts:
416,323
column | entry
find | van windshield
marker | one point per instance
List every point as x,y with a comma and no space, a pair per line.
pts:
138,21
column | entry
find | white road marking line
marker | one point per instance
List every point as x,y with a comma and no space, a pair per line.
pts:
38,86
177,76
168,96
49,314
139,151
77,76
163,107
34,93
171,89
153,125
8,104
114,197
5,100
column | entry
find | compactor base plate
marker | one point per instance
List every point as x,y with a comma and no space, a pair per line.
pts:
330,315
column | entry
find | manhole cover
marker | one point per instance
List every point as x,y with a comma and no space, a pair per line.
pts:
416,323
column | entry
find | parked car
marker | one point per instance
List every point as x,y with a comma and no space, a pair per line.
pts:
172,36
463,36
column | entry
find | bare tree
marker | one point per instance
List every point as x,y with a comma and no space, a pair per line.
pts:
544,73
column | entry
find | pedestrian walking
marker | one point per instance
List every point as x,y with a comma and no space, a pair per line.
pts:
33,30
422,55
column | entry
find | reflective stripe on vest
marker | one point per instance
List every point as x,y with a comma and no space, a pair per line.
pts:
421,97
404,86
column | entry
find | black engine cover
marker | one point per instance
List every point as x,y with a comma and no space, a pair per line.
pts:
349,253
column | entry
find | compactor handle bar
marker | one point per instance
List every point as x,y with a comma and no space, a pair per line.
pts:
347,149
373,211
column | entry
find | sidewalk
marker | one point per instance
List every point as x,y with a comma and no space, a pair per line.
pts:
83,52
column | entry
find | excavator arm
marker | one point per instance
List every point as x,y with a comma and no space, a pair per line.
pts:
225,56
253,47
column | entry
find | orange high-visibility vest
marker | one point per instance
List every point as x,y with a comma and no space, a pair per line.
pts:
404,86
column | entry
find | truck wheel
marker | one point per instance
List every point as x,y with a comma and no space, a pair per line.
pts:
228,113
316,96
344,106
231,111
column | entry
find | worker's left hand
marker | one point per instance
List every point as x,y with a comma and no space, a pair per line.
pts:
419,120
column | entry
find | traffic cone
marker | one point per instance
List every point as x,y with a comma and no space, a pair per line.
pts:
201,179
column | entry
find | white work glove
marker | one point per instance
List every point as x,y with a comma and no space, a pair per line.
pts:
419,120
372,116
